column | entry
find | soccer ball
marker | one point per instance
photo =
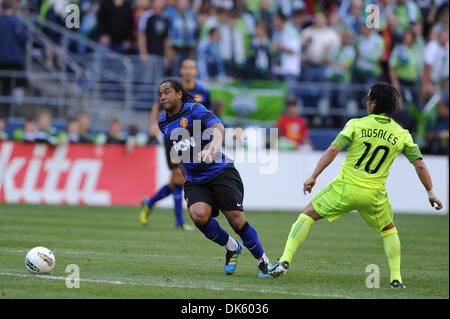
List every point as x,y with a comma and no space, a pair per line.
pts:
40,260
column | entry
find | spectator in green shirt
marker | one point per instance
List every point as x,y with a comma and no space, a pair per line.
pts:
27,133
403,63
71,134
341,59
407,12
339,70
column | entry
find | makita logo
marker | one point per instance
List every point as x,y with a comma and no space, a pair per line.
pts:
49,176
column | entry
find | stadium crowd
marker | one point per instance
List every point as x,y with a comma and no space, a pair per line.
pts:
332,41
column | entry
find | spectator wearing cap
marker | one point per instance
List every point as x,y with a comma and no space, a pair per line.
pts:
292,128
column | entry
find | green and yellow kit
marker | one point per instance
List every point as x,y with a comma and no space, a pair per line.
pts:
374,141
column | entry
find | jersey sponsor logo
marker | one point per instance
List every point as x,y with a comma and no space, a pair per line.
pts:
184,145
184,122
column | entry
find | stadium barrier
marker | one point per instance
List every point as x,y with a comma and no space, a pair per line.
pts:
76,174
282,189
110,175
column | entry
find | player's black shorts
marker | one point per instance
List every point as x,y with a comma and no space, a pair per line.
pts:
225,192
170,163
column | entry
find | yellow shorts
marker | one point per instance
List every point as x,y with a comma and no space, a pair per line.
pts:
338,198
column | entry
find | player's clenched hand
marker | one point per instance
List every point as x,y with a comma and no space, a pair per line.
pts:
308,185
435,202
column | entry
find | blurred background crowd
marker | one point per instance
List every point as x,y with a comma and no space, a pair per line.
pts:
403,42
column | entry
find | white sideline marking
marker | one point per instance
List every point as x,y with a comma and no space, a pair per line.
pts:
118,282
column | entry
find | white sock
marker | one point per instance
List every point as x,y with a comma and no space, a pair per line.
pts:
231,244
263,258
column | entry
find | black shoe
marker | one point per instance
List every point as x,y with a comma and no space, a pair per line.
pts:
397,284
263,268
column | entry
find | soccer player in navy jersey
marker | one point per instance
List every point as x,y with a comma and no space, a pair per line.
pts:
212,181
188,73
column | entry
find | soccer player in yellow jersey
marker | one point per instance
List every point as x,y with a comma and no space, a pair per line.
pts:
373,143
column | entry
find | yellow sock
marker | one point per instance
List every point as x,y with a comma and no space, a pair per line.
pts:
391,244
297,235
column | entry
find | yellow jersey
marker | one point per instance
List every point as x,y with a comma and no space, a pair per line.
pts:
374,142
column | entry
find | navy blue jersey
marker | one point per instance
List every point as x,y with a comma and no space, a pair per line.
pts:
201,95
188,133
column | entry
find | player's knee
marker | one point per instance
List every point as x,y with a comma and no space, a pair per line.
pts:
310,211
236,220
199,214
390,226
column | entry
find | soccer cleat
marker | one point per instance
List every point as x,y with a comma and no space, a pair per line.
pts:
263,268
145,212
397,284
185,227
279,269
231,258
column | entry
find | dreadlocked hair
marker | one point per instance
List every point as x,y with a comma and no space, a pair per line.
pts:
386,97
177,86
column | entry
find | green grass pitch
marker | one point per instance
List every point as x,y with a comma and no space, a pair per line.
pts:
119,258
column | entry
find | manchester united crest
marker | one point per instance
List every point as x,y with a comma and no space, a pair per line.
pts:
184,122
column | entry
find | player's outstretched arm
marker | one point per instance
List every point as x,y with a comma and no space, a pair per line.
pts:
425,178
326,159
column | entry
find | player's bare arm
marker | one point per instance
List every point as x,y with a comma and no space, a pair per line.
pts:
218,133
425,178
326,159
154,129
